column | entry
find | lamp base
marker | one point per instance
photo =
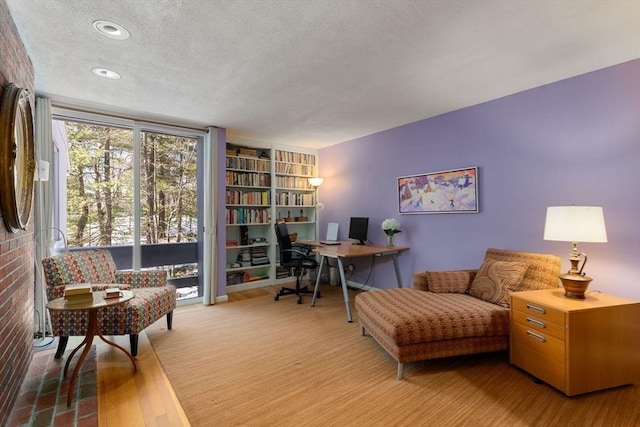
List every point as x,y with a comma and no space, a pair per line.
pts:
575,285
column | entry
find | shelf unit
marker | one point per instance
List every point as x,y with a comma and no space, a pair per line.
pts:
264,185
295,198
248,215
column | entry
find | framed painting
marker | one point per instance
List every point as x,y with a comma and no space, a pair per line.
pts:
450,191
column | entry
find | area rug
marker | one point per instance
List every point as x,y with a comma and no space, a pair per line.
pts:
257,362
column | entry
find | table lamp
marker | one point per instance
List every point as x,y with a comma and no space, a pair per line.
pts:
575,224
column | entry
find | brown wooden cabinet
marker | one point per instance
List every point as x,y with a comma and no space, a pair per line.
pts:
576,346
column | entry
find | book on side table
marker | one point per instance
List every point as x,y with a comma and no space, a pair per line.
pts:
80,294
112,293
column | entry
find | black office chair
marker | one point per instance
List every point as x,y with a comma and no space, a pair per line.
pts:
297,258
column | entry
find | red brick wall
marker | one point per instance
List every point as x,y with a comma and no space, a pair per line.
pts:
16,249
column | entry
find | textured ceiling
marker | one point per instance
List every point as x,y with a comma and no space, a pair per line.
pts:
315,72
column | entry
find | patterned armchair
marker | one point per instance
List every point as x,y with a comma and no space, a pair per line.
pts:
153,297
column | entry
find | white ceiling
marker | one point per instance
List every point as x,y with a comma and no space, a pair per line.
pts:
315,72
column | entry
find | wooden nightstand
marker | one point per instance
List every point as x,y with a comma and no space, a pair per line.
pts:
576,346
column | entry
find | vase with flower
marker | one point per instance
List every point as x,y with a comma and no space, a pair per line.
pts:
390,227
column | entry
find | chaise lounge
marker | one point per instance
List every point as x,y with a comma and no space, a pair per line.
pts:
451,313
153,297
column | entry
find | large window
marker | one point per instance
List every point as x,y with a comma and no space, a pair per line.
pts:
106,192
169,188
99,185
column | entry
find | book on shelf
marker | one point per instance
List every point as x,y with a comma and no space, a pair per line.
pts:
259,256
282,272
248,152
244,256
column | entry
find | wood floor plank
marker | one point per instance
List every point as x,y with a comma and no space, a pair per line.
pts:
147,397
141,399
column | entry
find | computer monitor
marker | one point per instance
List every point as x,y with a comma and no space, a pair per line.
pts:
358,228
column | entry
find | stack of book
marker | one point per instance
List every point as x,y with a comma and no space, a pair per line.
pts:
112,293
76,295
244,258
259,256
282,272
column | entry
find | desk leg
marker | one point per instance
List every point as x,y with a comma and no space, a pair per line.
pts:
343,280
315,290
397,267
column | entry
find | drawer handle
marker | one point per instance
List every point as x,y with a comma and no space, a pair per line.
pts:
537,322
537,309
539,337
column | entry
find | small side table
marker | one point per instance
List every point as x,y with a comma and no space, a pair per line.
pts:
93,307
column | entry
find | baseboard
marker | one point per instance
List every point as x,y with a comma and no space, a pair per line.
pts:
245,286
222,298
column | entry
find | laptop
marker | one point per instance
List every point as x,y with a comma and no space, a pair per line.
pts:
332,234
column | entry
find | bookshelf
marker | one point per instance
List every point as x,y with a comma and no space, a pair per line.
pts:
248,215
264,185
295,198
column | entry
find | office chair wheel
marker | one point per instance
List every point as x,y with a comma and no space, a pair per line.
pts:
299,300
276,298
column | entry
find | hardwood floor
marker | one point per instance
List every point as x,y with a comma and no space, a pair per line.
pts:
143,399
146,398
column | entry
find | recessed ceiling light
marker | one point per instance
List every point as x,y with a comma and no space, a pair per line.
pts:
111,29
103,72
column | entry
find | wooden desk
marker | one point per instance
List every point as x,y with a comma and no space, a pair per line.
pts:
59,304
348,250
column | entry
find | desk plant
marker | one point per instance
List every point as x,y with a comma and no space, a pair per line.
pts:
391,226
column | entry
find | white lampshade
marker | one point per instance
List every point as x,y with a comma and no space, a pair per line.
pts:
316,182
575,224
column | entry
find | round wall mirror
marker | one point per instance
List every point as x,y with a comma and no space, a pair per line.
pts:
17,160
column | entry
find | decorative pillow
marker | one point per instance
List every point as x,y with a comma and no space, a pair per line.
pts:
456,282
495,279
420,281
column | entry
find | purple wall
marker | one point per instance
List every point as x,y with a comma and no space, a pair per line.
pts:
576,141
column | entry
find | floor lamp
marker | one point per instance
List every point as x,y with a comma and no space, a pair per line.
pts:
315,183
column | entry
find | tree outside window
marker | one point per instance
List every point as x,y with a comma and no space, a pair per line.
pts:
100,187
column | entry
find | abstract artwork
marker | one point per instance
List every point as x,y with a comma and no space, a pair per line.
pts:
450,191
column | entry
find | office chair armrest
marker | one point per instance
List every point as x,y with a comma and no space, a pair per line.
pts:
300,248
303,255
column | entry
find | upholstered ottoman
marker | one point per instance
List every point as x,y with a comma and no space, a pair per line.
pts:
413,325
